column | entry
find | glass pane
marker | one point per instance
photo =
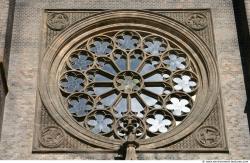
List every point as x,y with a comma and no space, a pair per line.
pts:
99,76
150,64
109,100
134,63
156,90
136,107
136,58
107,67
101,90
79,105
155,77
120,59
72,81
148,100
147,68
81,60
121,107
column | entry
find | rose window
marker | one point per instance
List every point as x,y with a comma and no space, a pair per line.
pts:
128,74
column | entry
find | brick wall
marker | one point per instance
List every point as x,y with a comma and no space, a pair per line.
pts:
18,123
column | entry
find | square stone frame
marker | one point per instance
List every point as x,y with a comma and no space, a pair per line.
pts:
72,144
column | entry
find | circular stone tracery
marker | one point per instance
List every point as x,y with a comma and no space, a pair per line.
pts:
152,80
128,82
174,73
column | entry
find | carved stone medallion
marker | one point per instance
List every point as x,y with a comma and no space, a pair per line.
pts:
58,21
51,136
197,21
208,136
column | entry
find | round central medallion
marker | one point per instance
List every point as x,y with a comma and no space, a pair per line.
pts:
128,82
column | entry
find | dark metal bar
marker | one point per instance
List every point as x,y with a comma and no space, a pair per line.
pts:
244,45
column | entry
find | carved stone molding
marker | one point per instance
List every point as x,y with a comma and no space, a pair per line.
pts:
51,137
57,21
208,136
197,21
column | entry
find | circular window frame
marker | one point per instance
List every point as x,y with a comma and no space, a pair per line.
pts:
209,87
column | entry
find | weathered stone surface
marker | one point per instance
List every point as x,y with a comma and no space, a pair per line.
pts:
18,123
247,5
4,7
